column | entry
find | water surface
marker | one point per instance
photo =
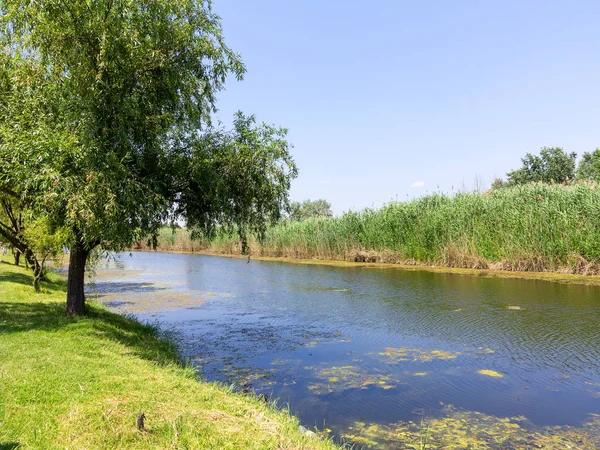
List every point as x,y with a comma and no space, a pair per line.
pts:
374,353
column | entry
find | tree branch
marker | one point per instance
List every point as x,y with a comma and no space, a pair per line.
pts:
9,191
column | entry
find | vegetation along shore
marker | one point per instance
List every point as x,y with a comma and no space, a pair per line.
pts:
539,227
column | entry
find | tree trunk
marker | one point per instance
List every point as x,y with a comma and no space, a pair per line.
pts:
75,294
36,283
17,256
29,259
37,272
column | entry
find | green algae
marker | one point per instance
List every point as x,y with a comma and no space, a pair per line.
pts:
490,373
456,430
153,299
338,379
392,355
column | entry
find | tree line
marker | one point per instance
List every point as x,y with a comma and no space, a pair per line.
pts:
553,165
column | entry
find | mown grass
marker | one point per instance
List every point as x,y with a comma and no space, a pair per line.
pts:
79,382
534,227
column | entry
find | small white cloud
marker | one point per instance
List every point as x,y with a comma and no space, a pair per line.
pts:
417,184
324,181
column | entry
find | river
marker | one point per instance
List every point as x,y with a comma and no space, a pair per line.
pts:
380,357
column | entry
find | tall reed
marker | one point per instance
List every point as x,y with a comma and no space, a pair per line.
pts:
529,227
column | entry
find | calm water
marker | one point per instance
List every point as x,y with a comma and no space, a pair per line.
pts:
348,347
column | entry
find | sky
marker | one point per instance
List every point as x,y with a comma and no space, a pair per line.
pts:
389,100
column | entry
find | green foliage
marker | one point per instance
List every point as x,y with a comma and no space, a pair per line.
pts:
309,209
589,166
97,95
525,227
105,123
499,183
237,179
553,165
44,241
42,238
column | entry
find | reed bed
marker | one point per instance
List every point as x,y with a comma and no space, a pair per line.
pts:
173,240
533,227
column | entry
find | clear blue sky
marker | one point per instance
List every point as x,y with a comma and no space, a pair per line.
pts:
381,95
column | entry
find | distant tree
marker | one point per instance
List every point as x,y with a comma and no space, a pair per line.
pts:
589,166
499,183
310,208
552,165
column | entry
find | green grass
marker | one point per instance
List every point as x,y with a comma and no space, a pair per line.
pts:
534,227
79,382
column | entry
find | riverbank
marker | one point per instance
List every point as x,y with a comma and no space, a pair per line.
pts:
544,228
80,382
355,349
556,277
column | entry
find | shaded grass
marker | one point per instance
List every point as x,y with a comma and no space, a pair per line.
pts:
79,382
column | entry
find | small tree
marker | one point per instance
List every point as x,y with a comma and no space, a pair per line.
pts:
44,242
310,208
499,183
552,165
589,166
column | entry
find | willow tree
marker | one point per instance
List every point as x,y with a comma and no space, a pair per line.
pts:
105,128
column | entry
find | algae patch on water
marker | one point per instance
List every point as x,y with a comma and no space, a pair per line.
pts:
338,379
392,355
456,429
151,299
490,373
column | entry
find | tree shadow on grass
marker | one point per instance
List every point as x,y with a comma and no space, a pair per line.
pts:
24,316
27,280
141,339
9,445
12,277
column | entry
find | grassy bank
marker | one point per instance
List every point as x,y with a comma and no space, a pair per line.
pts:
69,382
536,227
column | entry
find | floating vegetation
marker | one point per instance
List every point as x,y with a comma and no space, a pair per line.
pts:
96,274
595,393
151,299
456,429
397,355
337,379
490,373
479,353
313,338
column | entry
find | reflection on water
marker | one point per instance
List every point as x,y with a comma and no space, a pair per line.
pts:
378,355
